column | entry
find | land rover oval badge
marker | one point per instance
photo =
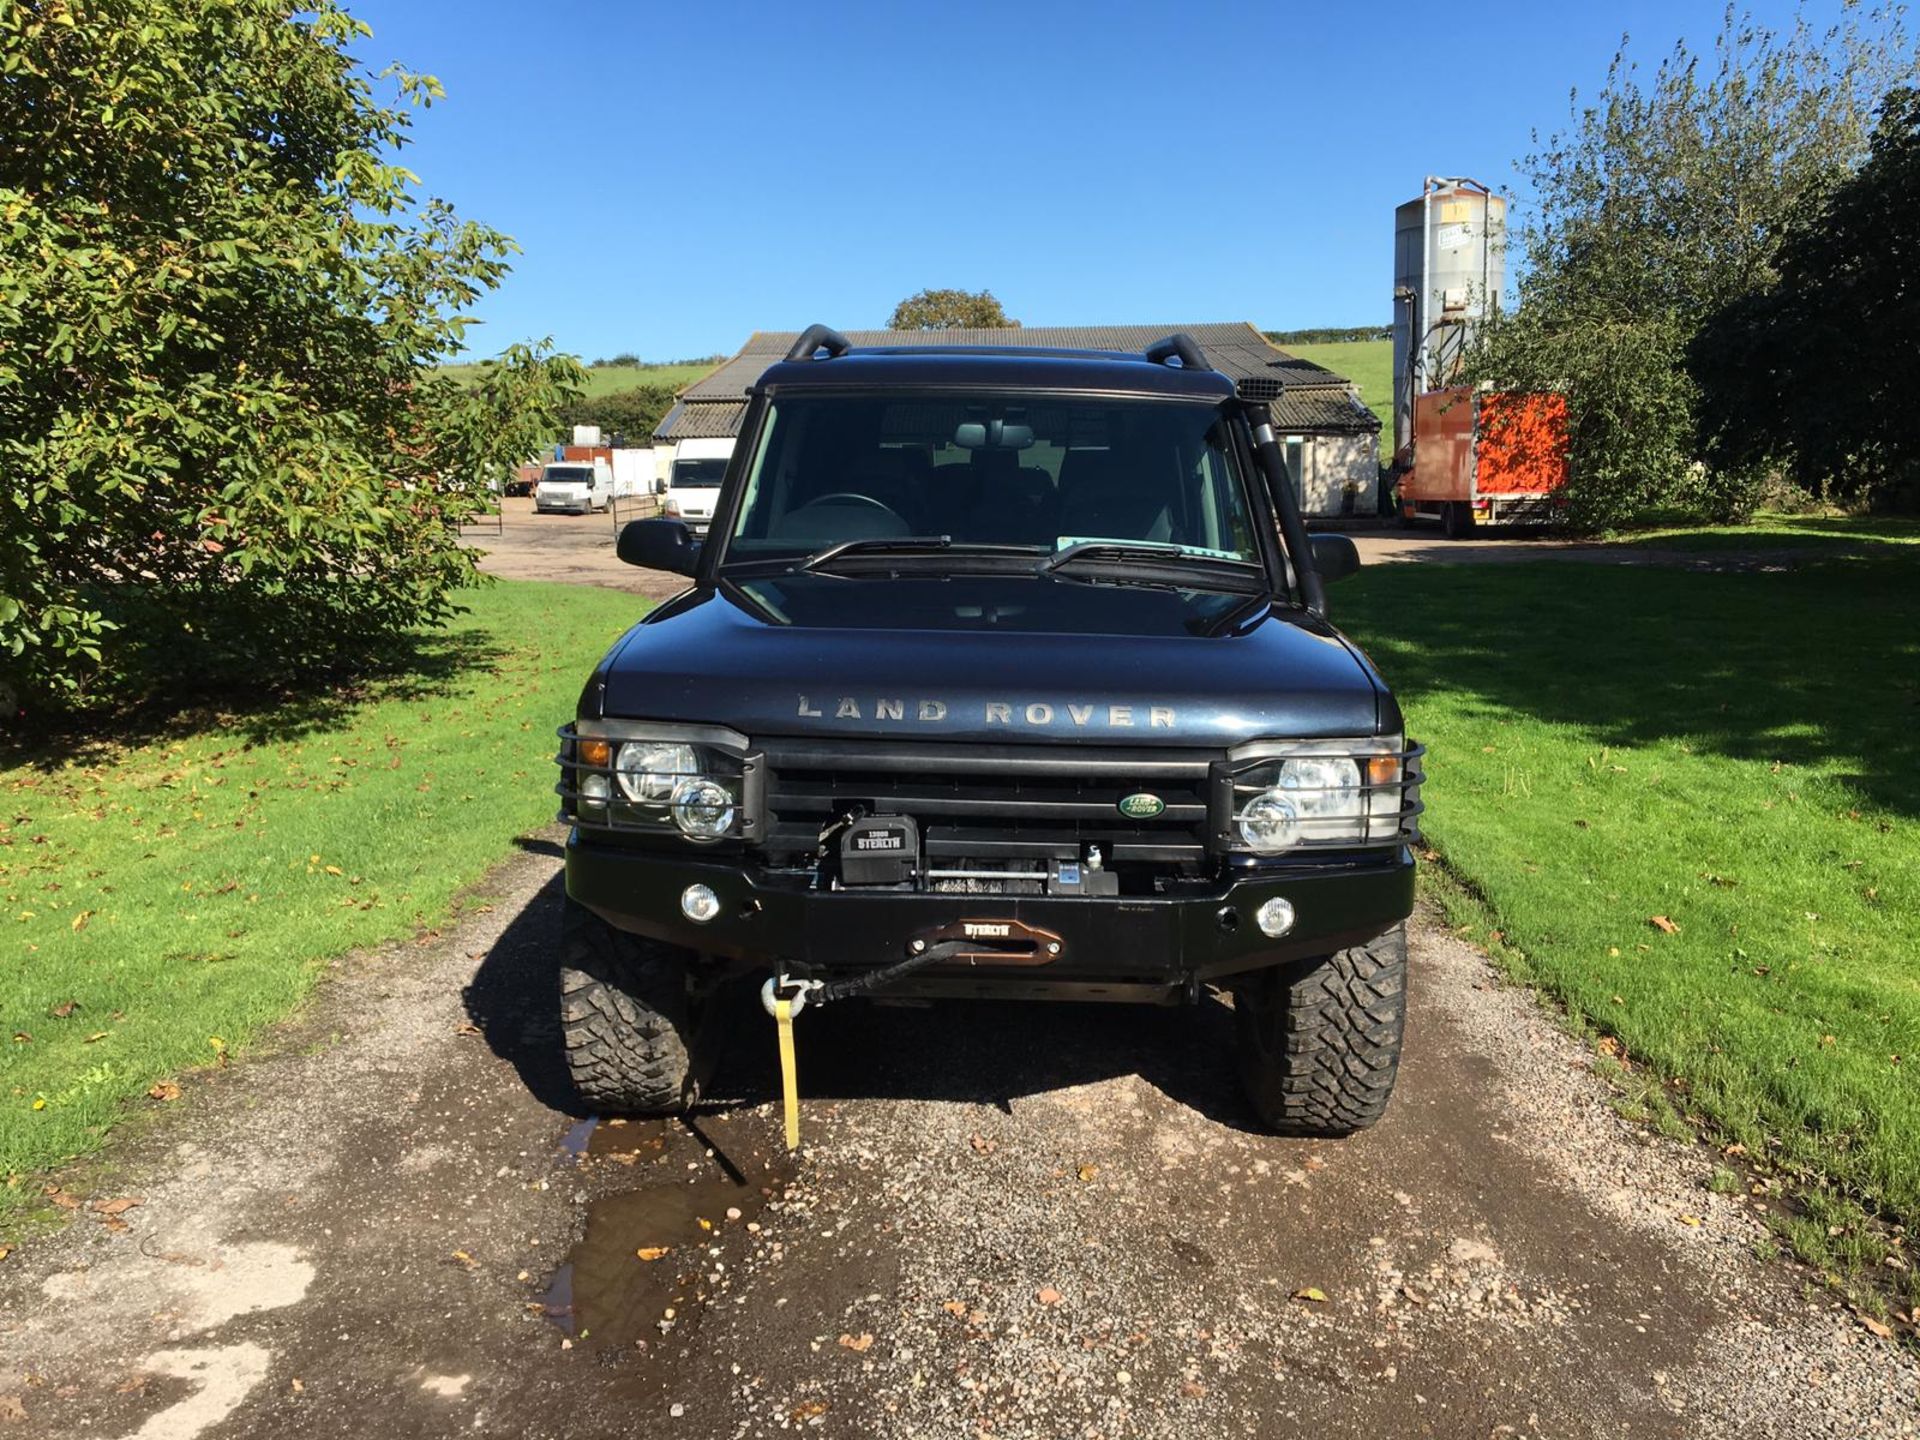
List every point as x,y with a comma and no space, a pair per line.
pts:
1142,806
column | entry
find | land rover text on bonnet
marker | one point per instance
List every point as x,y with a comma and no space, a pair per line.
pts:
1001,673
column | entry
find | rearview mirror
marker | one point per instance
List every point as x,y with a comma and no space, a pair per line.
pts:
1334,556
659,545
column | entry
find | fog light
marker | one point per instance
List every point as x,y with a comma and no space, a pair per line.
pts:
699,904
1274,917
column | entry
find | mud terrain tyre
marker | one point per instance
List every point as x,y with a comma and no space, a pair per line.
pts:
629,1021
1319,1040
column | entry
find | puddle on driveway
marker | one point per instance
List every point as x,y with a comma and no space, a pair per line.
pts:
664,1245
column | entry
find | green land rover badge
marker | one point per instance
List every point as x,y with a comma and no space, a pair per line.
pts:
1142,806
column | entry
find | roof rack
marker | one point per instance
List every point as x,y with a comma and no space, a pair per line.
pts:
1180,346
816,338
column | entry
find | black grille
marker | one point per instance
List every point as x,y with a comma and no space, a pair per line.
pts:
994,802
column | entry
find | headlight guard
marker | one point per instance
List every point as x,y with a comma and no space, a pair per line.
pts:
636,777
1285,797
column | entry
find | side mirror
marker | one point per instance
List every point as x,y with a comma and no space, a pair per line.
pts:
1334,556
658,545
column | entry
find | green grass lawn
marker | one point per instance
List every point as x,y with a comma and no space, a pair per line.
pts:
1733,755
1771,531
1369,364
165,900
609,379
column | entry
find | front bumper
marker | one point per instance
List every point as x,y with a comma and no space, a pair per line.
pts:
1124,947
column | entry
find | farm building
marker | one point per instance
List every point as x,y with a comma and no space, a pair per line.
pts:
1329,438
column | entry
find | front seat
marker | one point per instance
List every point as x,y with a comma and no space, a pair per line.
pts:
1107,496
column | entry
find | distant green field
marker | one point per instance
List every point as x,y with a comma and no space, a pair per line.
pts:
1369,364
607,379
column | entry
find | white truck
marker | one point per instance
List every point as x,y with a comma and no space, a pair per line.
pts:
574,487
693,484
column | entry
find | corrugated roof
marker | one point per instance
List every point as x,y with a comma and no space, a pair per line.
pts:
1322,407
702,420
1234,348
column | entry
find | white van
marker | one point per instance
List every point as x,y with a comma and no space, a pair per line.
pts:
693,485
574,487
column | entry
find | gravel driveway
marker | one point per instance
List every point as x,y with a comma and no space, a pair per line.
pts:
1006,1221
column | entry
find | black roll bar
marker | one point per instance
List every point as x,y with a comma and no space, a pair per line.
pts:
816,338
1178,345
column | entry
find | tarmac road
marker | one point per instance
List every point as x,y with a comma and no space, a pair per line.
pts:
1005,1221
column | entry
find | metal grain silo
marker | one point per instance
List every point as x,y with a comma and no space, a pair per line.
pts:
1449,267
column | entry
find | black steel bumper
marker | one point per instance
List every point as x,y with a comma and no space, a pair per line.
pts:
1125,947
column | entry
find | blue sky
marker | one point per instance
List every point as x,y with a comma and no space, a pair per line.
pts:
682,174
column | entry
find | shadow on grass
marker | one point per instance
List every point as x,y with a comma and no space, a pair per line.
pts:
406,668
1815,665
971,1052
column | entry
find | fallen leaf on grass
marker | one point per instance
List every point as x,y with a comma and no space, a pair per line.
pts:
165,1090
1875,1327
1663,925
1047,1295
21,1037
80,920
1313,1293
115,1207
96,1037
652,1252
859,1344
56,1196
64,1009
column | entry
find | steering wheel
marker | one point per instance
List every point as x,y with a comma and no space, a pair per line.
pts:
855,498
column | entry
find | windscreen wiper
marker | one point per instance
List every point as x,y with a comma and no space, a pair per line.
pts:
874,544
1152,550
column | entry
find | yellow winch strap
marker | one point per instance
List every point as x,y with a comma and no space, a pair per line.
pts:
789,1078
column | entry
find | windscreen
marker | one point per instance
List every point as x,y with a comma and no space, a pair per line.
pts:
698,474
1020,470
569,474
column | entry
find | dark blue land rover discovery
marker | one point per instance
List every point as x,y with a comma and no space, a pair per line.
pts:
1001,672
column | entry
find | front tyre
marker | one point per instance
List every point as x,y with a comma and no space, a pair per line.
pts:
629,1018
1319,1042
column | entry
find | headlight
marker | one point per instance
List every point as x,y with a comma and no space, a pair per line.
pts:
1319,792
649,770
698,781
703,809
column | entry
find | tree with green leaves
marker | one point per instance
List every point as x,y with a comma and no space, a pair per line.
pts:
1818,373
951,310
223,307
1666,200
631,414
